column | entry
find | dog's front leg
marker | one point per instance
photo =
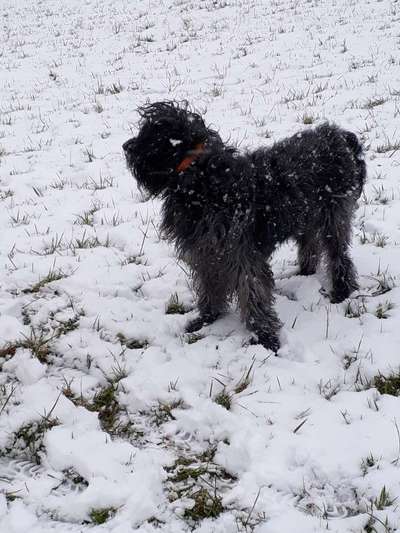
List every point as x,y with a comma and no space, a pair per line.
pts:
255,286
212,289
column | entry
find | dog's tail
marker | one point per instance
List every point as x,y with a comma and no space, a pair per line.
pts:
358,152
354,143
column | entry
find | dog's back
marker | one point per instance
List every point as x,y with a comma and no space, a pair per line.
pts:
305,177
322,162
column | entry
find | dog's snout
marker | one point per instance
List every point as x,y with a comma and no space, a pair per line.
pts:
127,145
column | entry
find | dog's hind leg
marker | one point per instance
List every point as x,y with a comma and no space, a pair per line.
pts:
309,252
336,237
255,286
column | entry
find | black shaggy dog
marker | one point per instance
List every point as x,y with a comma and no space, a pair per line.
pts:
227,211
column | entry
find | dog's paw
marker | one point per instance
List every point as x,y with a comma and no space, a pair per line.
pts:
195,324
337,298
338,295
268,340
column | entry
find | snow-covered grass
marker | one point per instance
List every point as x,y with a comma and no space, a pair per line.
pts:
111,419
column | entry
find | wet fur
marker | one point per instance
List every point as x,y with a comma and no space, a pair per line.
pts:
228,211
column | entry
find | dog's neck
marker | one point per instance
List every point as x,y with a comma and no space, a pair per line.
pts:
191,156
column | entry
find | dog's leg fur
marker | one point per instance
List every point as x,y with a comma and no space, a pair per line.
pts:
309,252
212,292
336,238
255,295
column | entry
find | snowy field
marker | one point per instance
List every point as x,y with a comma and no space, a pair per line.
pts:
111,418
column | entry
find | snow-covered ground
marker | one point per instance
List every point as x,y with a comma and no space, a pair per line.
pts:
111,419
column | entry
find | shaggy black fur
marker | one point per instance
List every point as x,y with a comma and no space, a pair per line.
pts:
228,211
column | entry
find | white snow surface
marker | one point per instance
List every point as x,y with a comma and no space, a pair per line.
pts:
308,444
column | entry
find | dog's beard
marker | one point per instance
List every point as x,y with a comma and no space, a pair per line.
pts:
152,183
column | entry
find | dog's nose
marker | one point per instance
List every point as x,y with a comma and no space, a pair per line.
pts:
127,145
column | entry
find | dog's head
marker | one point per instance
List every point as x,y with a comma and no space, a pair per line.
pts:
168,134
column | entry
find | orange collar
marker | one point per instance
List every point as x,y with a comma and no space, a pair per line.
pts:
188,160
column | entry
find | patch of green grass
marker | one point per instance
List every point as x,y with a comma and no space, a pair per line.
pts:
380,195
8,350
39,191
174,306
364,239
381,240
294,96
355,308
55,245
8,193
388,146
224,399
163,411
88,151
12,496
329,389
383,500
185,469
388,384
114,88
207,504
156,522
29,438
378,239
6,120
384,283
132,344
134,260
87,217
104,181
106,405
352,356
374,102
71,324
367,463
199,482
383,309
98,107
6,393
307,119
39,343
104,397
53,275
101,515
19,219
59,183
87,242
245,380
114,221
376,525
348,360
